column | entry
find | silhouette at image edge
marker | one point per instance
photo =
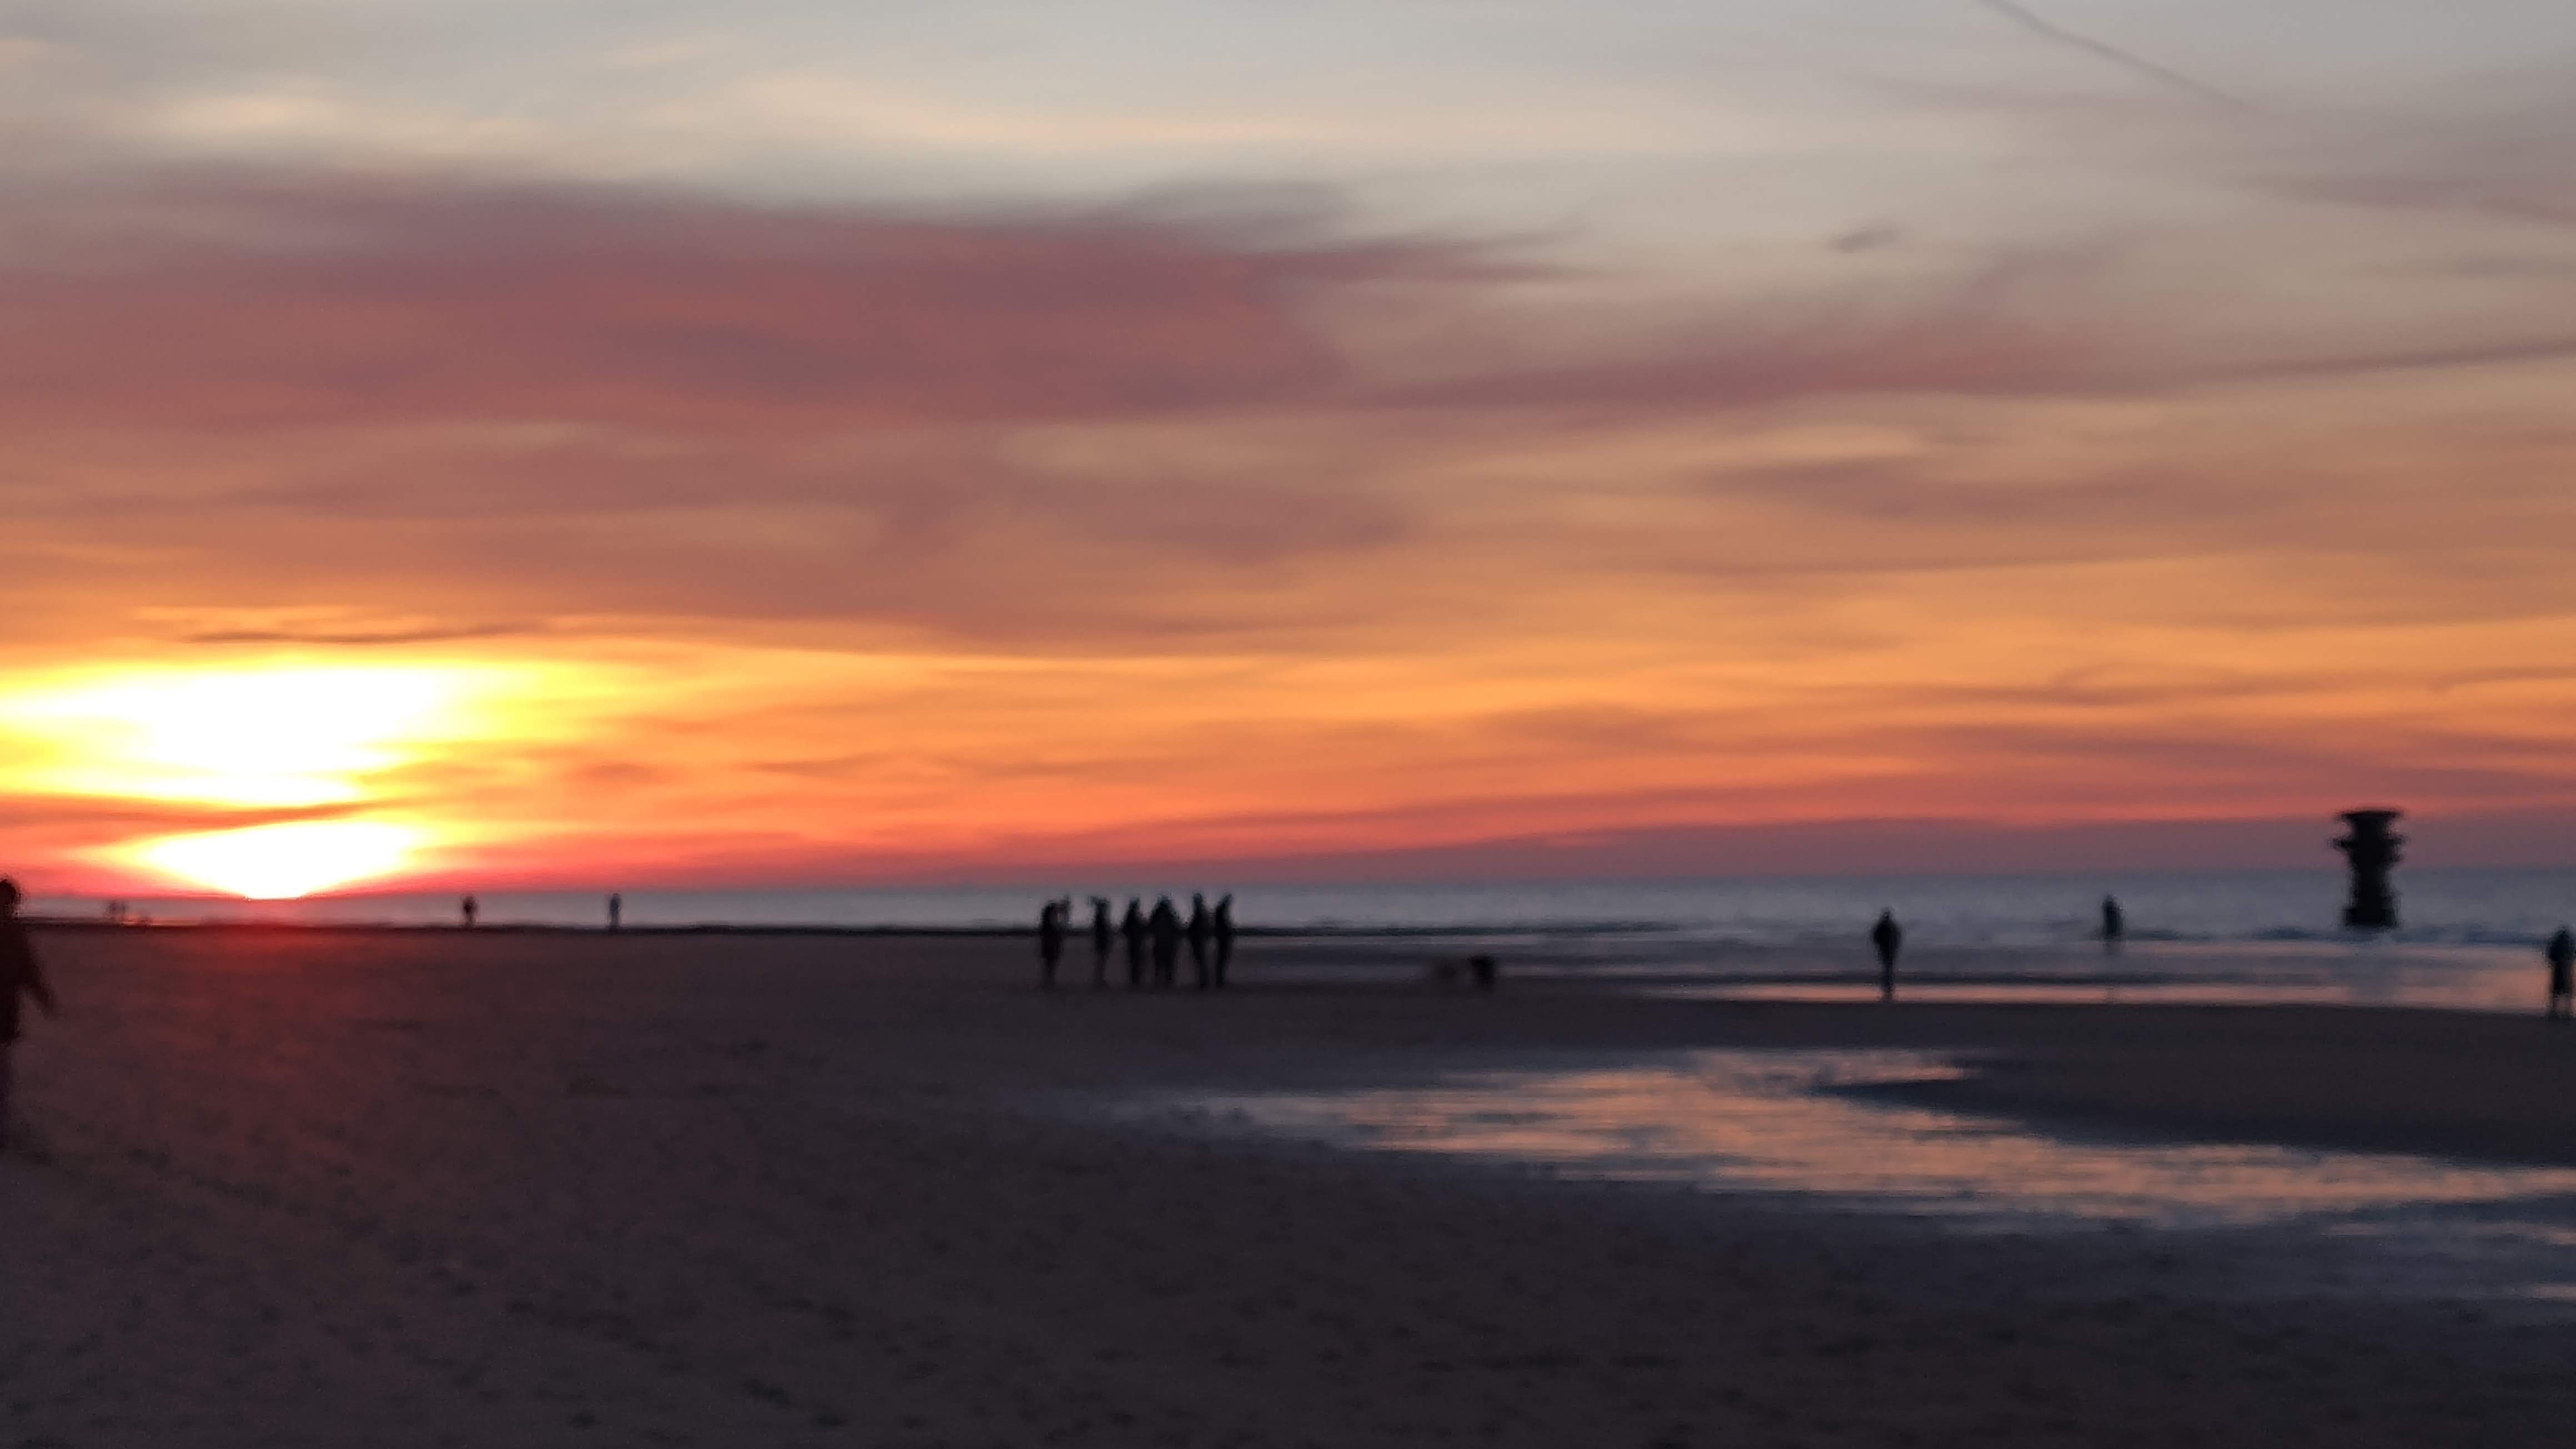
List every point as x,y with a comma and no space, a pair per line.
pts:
2561,954
20,975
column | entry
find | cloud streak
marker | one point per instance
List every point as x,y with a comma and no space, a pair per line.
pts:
321,300
2127,60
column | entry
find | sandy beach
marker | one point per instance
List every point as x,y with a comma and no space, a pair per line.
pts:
321,1188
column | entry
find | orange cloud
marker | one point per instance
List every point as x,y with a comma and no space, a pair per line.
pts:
842,543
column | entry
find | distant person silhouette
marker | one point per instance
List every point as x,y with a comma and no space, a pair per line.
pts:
1200,930
1101,935
469,908
2561,952
616,911
1132,926
2115,924
1222,923
1050,941
1889,938
19,976
1165,923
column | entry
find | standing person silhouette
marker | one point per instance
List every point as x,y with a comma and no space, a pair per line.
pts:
1889,938
1165,923
1199,930
19,976
2561,952
1132,926
1100,938
1224,926
616,911
2115,924
469,908
1050,942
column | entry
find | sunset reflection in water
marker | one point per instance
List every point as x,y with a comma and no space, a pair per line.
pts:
1786,1123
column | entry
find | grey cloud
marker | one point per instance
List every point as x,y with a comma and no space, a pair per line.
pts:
2503,148
1876,237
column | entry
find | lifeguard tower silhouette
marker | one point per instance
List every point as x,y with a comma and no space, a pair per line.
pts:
2372,851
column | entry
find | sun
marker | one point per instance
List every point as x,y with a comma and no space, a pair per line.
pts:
281,862
256,739
273,735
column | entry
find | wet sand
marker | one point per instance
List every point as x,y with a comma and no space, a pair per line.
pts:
313,1188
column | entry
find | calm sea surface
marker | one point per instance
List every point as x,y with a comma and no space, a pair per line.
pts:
2461,907
2469,937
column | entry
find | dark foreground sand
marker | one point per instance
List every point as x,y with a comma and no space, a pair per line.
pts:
349,1190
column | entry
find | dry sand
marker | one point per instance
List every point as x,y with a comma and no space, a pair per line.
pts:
394,1190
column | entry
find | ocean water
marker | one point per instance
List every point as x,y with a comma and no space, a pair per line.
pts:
2469,937
2456,907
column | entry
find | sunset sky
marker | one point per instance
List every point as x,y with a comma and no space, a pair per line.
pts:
648,442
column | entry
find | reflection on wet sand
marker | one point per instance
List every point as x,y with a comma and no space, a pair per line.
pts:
2448,977
1825,1127
2130,991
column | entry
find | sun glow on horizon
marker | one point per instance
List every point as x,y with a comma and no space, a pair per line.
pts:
289,734
283,861
196,761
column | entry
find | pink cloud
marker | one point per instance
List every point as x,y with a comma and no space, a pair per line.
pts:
278,301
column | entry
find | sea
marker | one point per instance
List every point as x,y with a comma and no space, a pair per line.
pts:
2468,937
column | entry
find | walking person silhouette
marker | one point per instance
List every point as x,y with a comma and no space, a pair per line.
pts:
1100,938
2561,952
1132,926
1889,938
20,975
1200,929
2115,924
1166,926
1223,923
1050,942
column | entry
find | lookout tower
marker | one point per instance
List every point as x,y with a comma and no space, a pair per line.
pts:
2372,851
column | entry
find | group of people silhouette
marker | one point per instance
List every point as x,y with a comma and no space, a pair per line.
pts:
1153,939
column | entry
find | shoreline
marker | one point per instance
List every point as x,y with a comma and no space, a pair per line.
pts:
508,928
2473,980
446,1186
1079,934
